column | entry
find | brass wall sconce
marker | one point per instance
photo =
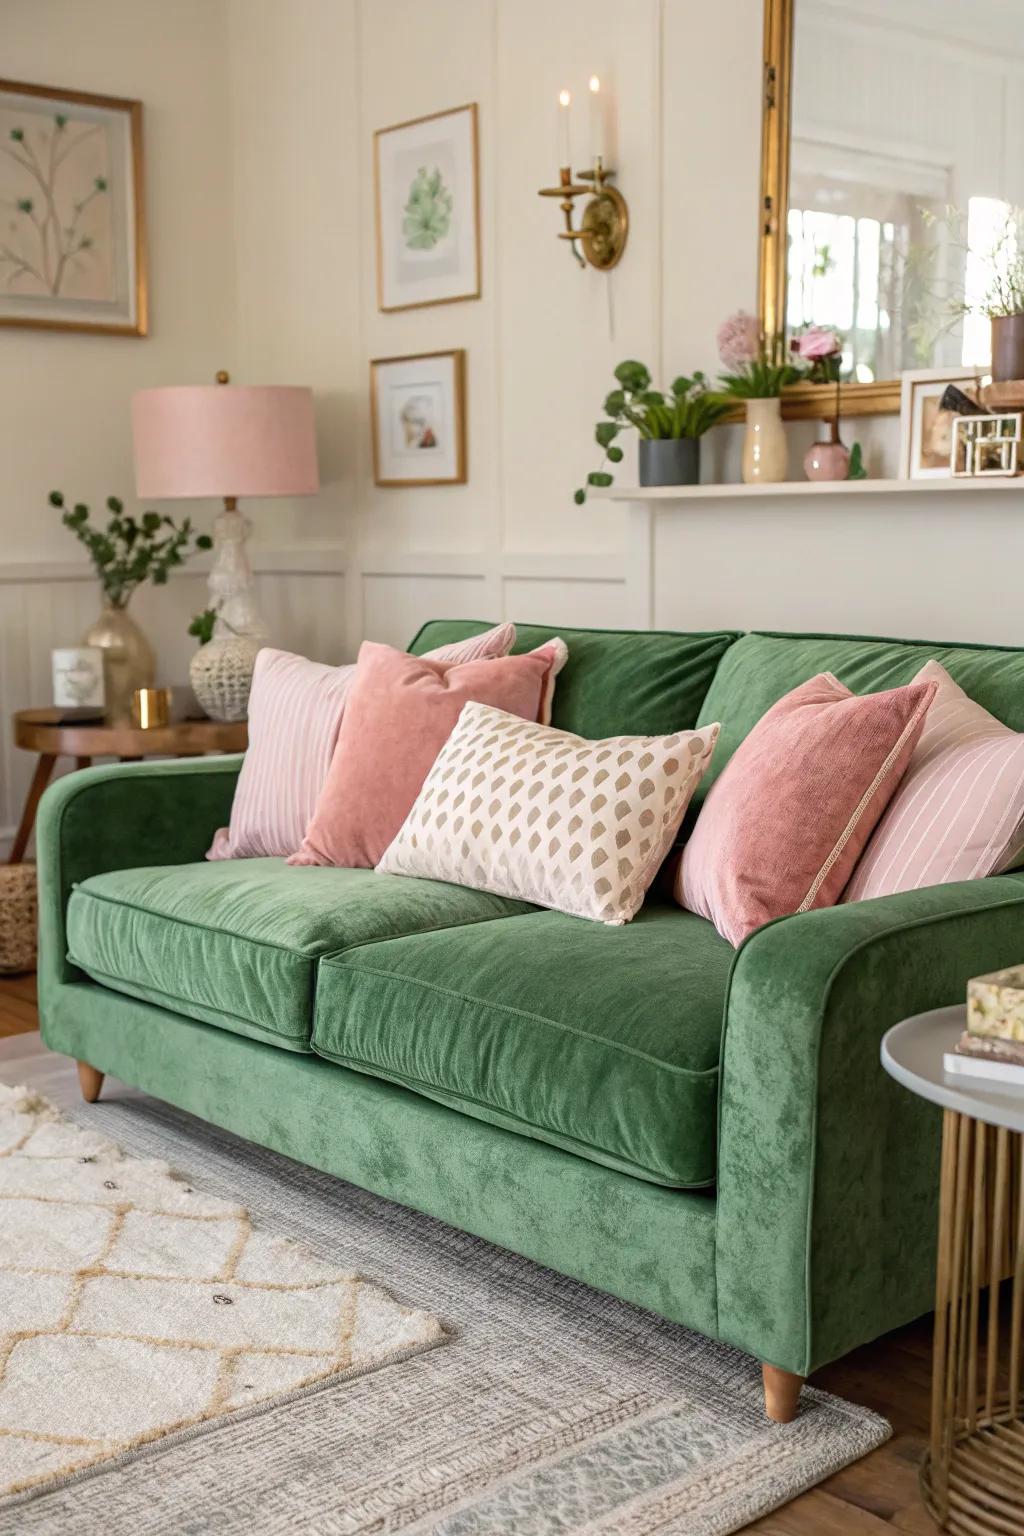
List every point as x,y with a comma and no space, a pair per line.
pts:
604,227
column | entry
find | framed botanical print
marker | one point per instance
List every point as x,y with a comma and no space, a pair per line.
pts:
926,431
426,180
418,416
72,238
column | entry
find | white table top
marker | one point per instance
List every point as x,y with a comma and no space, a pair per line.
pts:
912,1053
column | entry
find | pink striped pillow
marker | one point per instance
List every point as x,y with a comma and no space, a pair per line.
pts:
295,711
959,812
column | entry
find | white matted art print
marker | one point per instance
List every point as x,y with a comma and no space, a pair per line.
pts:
926,431
426,176
418,416
72,249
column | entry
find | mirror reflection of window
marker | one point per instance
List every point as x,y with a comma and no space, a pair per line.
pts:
905,169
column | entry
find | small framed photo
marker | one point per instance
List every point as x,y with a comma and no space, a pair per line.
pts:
926,431
426,181
72,256
78,677
418,416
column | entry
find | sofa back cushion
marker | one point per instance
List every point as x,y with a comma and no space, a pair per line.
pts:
616,682
760,668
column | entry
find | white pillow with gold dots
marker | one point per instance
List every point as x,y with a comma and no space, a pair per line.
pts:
526,811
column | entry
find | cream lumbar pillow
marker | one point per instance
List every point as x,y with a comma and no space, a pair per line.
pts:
522,810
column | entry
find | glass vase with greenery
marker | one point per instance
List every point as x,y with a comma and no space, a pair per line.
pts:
685,411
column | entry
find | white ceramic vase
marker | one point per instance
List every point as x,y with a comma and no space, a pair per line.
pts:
765,451
221,675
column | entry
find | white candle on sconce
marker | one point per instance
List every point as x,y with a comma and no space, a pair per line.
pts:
564,142
596,119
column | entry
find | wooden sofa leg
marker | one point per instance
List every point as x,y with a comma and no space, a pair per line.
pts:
90,1081
781,1393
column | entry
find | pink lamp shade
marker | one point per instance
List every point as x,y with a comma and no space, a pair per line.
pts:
224,440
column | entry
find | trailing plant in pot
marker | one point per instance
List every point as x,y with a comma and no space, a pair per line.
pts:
670,424
126,553
757,373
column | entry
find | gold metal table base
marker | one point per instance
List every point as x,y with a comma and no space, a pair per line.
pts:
973,1476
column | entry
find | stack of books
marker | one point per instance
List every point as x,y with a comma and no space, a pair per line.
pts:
992,1046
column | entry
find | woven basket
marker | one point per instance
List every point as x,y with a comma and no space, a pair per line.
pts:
17,918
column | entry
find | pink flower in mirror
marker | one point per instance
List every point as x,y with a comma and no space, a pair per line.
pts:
817,342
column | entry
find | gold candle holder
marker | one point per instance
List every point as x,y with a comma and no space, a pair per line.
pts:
604,226
151,708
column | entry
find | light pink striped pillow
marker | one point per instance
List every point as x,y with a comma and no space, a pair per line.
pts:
295,711
959,812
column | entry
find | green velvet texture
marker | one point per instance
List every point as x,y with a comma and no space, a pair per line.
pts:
236,942
650,1245
121,816
616,682
827,1168
600,1040
760,668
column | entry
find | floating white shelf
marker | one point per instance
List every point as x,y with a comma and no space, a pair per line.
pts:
813,488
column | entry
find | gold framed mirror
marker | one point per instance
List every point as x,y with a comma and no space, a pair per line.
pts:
876,123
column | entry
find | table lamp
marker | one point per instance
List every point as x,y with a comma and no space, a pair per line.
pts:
231,441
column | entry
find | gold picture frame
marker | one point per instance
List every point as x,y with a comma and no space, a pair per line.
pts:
124,240
426,394
399,283
800,402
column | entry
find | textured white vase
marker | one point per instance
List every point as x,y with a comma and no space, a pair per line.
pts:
765,451
221,675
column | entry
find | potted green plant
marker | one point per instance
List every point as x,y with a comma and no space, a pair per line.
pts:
126,553
670,425
757,373
935,303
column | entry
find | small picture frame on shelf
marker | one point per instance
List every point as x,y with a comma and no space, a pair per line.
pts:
926,431
418,419
426,186
78,677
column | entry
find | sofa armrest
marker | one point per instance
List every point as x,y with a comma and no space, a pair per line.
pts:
827,1169
122,816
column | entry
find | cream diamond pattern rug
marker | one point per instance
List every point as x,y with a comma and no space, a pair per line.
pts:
132,1305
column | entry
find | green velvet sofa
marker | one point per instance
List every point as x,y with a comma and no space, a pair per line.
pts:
707,1133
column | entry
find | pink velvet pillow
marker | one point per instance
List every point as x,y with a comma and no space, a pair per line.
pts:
400,712
295,713
784,824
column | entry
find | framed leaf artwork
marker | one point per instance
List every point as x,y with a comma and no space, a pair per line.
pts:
418,418
72,245
426,181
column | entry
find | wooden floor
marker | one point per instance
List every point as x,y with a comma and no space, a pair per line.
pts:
876,1495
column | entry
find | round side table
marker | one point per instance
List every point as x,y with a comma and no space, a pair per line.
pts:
36,730
972,1477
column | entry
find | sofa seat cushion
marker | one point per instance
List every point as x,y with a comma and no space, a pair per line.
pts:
602,1041
237,943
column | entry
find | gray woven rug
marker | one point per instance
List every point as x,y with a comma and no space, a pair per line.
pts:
554,1409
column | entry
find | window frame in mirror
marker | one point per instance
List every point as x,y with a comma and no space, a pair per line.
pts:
801,401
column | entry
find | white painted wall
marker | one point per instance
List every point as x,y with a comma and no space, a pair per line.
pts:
259,124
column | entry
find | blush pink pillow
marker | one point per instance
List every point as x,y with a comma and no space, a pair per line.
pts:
400,712
959,812
295,713
784,824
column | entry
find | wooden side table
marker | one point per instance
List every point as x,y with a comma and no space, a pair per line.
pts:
972,1477
36,730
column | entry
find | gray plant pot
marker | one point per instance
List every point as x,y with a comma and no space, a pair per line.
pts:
670,461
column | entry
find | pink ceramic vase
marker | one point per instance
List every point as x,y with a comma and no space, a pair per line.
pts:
829,459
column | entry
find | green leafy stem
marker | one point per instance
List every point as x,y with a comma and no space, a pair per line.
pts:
130,551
